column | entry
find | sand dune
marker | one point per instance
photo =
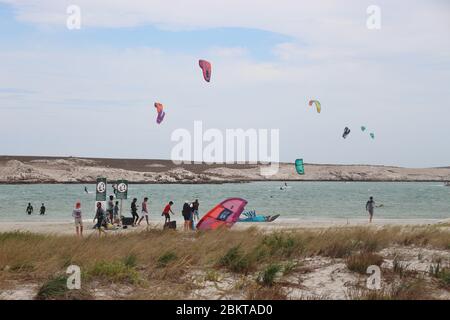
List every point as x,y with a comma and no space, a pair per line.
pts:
21,169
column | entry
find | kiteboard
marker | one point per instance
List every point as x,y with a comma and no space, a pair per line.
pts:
260,218
272,218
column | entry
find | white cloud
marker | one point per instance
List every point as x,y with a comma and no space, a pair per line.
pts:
230,52
323,23
394,80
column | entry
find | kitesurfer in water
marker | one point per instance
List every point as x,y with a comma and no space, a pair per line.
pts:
42,210
29,209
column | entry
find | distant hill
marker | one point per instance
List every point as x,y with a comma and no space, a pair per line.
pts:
29,169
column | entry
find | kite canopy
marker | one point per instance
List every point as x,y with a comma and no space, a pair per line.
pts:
161,114
299,166
160,117
372,135
225,214
317,103
159,107
206,68
363,128
346,132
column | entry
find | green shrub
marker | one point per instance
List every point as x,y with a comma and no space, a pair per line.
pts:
268,275
130,261
56,289
115,271
289,267
279,244
166,258
236,261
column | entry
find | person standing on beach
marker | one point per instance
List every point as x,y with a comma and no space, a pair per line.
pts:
110,208
187,213
370,206
166,212
116,213
29,209
134,212
144,211
100,215
42,211
76,214
195,206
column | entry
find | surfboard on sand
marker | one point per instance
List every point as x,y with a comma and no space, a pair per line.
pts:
272,218
260,218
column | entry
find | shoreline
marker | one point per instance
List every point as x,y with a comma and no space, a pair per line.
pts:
219,182
66,226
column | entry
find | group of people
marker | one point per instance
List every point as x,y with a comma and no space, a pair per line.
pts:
103,217
29,210
111,216
189,212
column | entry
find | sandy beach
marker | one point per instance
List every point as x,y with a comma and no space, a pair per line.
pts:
67,228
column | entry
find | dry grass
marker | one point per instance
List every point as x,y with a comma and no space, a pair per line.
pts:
441,273
405,289
166,258
258,292
361,261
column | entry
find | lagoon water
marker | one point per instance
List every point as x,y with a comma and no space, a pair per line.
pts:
305,200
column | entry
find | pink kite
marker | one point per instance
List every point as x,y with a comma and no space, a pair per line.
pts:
225,214
161,114
206,67
160,117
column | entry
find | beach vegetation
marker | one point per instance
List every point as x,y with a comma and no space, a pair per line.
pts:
55,288
114,271
236,261
442,273
268,275
359,262
260,258
166,258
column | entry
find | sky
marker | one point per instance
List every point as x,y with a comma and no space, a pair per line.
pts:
89,92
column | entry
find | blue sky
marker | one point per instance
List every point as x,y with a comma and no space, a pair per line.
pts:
70,90
25,35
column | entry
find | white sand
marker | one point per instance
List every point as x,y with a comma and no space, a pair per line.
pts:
68,228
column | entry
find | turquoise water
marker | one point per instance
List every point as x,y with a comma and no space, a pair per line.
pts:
304,200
